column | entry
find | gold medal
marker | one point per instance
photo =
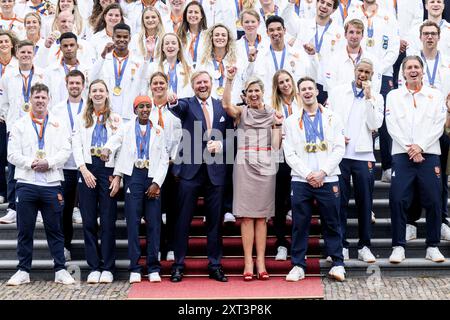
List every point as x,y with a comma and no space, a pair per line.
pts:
26,107
370,42
308,147
323,146
40,154
98,152
238,24
92,151
117,91
139,163
313,147
220,91
146,164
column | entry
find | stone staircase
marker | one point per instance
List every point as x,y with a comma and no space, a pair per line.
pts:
196,262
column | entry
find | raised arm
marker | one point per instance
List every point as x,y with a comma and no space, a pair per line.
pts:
231,109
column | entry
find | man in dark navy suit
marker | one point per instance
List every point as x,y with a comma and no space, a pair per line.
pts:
201,165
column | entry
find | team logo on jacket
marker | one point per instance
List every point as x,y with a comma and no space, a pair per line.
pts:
437,171
336,191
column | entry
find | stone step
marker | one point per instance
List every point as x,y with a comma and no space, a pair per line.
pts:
232,246
382,248
410,267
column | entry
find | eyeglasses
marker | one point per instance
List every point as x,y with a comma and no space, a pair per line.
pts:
433,34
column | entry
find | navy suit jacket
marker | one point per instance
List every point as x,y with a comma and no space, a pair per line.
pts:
190,112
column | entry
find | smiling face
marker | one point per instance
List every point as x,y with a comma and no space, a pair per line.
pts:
158,87
413,71
177,5
435,8
6,45
75,86
276,33
25,55
150,19
254,95
363,72
202,86
308,93
121,39
325,8
285,84
39,103
7,6
98,93
66,5
113,17
143,111
220,37
193,14
249,23
170,46
32,25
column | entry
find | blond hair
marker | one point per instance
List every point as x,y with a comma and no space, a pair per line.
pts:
159,32
208,52
180,57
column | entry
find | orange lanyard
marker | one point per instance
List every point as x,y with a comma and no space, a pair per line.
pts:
39,122
99,115
191,45
176,21
413,92
120,61
369,18
345,6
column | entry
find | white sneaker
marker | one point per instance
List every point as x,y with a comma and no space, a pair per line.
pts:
338,273
20,277
289,216
67,255
345,254
281,254
366,255
94,277
164,218
411,232
170,256
373,219
76,216
9,217
2,199
106,277
39,217
398,255
434,255
154,277
386,176
64,277
297,273
229,217
445,232
135,277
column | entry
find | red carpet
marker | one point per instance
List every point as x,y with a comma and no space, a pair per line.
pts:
202,288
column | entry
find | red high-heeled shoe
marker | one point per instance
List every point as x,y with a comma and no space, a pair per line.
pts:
248,276
263,275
